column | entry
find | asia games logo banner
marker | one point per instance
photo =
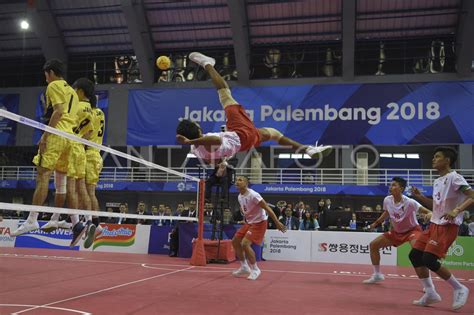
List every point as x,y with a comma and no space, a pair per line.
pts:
122,235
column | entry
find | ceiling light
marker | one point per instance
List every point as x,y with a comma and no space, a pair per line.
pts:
24,25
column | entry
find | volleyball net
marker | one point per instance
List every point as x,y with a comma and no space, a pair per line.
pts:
198,257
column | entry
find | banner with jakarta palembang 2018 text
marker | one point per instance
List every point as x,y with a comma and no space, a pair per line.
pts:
381,114
9,102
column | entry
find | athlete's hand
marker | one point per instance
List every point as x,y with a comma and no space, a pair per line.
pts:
451,215
426,217
415,192
281,226
182,139
372,226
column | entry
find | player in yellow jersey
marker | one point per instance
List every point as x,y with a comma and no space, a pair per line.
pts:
76,162
94,161
62,102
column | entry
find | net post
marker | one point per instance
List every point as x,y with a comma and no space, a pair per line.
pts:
199,253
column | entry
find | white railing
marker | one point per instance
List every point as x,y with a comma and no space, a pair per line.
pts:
318,176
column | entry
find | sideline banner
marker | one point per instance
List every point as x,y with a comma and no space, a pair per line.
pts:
159,240
290,246
280,189
6,227
379,114
58,239
9,102
122,238
348,247
460,255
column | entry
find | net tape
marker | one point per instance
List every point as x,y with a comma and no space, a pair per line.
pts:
35,124
30,208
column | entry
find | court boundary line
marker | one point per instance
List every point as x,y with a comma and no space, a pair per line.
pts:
104,290
150,266
46,307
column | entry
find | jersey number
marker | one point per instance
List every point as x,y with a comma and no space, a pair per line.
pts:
81,125
100,133
70,105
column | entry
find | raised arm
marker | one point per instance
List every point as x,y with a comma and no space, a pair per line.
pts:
427,202
272,215
206,140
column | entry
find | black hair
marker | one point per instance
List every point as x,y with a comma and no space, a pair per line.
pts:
55,65
246,178
188,129
401,181
88,88
449,153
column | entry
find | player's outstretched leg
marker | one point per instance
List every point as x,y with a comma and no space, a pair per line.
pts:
316,151
266,134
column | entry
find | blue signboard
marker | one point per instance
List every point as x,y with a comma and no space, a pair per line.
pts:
58,239
9,102
379,114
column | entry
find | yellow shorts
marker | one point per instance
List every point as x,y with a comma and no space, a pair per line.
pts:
56,153
93,166
77,161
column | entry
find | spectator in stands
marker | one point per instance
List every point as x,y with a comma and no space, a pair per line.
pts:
328,205
307,207
308,223
227,217
290,221
123,209
347,208
192,209
363,208
322,214
300,210
320,206
353,222
111,219
208,210
280,208
378,208
141,210
289,206
179,210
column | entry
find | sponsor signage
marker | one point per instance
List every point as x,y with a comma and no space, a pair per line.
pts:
292,245
159,240
460,254
58,239
6,227
122,238
348,247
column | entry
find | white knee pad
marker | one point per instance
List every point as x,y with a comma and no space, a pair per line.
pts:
60,182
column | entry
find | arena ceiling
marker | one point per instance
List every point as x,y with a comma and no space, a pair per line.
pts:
148,28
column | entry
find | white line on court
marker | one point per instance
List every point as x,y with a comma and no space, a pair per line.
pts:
224,269
46,307
105,290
